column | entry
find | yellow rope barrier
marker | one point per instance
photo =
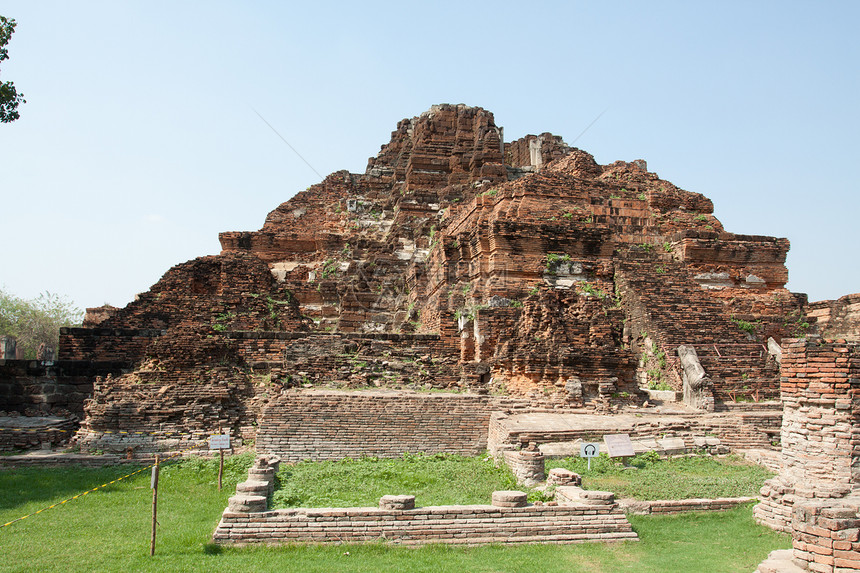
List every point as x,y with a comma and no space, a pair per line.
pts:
59,503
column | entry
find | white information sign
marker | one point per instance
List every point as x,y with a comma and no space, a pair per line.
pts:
220,442
589,449
619,445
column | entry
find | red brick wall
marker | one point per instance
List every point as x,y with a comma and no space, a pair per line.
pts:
326,425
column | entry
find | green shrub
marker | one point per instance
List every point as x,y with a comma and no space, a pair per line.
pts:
748,327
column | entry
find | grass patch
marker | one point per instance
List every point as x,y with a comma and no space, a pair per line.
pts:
437,479
673,478
109,531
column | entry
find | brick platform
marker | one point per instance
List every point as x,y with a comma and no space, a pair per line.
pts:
458,525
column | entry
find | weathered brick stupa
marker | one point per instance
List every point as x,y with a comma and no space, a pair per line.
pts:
455,262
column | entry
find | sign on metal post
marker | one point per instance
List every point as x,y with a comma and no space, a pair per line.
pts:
589,450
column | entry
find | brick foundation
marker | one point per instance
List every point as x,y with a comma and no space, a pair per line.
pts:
825,535
510,519
457,524
738,430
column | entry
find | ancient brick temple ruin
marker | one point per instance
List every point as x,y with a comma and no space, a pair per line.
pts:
459,284
520,272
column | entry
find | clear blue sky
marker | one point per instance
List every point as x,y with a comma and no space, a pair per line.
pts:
139,141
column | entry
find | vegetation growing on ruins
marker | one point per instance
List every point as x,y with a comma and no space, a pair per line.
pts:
109,531
590,290
746,326
796,325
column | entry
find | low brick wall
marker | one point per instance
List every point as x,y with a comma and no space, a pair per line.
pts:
153,417
667,506
734,430
54,459
454,524
329,425
23,433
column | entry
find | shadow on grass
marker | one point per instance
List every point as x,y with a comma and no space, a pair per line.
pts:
212,549
20,486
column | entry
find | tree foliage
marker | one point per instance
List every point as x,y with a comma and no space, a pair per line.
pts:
9,96
37,321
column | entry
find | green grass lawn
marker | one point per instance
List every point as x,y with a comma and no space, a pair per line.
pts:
108,530
350,483
438,479
676,478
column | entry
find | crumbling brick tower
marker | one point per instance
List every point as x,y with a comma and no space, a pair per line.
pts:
816,496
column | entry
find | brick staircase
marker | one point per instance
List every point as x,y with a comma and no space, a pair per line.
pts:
663,300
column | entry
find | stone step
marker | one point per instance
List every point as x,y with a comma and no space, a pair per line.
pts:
779,561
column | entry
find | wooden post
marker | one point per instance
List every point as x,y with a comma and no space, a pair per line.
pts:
220,469
221,464
154,485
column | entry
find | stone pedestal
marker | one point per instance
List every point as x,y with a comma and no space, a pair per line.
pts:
246,504
510,498
402,502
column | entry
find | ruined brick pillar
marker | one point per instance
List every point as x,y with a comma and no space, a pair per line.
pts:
527,465
820,436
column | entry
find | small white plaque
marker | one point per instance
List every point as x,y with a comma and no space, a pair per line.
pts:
220,442
619,445
589,449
